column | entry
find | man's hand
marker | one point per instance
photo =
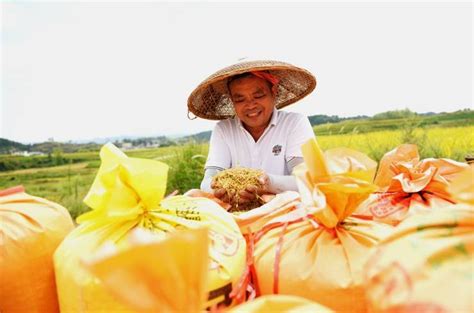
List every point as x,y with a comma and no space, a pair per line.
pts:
220,193
251,192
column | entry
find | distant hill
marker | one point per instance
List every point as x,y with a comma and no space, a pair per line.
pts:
199,137
396,120
6,146
324,119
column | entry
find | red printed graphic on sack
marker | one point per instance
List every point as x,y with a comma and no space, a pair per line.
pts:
388,203
223,243
398,285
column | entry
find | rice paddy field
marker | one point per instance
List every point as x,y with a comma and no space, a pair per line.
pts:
68,184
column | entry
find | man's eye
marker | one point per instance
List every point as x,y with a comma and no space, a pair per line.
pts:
260,96
238,100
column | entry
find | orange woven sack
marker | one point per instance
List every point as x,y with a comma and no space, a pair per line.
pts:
250,223
318,251
30,230
426,265
280,304
408,186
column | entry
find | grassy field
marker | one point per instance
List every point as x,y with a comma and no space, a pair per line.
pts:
68,184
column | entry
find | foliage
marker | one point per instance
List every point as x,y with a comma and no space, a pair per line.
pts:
396,114
186,168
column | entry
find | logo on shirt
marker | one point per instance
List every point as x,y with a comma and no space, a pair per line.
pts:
276,150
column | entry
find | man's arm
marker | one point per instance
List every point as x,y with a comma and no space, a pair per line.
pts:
218,158
281,183
208,175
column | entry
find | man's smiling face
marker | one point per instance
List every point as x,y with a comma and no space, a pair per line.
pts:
253,101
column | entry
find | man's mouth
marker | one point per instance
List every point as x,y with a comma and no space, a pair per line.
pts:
254,113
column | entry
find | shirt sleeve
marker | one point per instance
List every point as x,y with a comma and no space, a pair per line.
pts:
219,152
280,183
208,176
301,133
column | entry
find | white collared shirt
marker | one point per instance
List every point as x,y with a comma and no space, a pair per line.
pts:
232,145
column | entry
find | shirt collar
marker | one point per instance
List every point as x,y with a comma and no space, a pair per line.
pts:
274,118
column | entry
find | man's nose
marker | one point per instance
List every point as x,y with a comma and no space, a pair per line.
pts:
252,102
251,105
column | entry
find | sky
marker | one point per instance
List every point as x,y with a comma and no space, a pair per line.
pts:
84,70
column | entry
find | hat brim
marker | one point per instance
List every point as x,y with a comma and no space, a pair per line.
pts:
211,99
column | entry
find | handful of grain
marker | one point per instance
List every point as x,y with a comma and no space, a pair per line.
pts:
237,179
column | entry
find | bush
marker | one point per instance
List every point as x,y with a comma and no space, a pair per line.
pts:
412,131
186,168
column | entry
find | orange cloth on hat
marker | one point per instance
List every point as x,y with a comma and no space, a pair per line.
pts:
267,76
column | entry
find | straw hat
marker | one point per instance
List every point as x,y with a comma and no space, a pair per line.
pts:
211,99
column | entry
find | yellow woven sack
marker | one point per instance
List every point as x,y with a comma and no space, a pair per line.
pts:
127,194
31,228
426,265
318,252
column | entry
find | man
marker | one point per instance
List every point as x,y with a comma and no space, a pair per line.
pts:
253,132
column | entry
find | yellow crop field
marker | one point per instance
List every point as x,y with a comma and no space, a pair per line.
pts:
453,143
